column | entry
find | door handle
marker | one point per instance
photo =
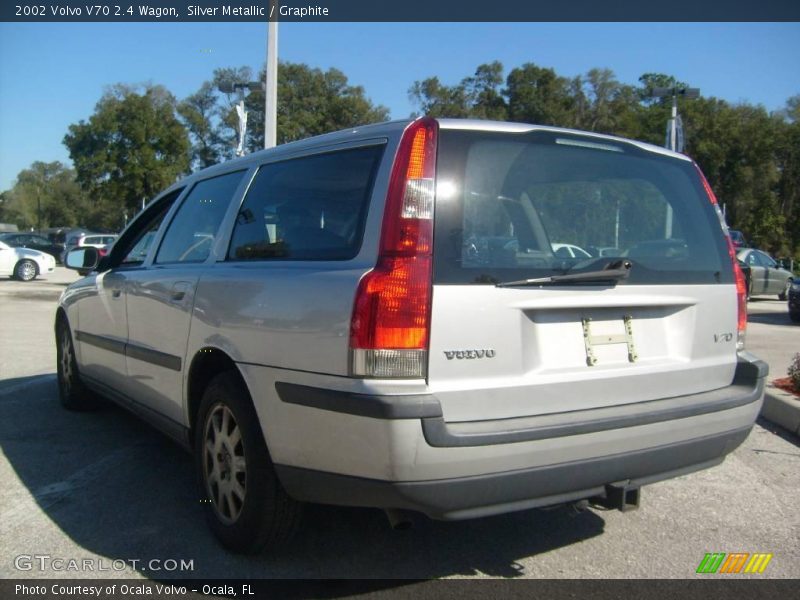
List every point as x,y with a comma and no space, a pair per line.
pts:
179,291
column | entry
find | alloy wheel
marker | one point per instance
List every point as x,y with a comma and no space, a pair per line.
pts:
224,465
26,270
65,374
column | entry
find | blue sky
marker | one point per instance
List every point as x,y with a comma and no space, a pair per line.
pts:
51,75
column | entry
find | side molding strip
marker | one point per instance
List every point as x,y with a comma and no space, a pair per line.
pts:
154,357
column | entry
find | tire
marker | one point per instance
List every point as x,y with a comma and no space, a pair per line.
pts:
794,316
246,507
785,293
26,270
71,391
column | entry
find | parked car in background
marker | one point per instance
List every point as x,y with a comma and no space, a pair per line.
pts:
766,276
101,241
794,300
24,264
34,242
738,239
569,251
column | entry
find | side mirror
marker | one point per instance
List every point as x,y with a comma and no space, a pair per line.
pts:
82,259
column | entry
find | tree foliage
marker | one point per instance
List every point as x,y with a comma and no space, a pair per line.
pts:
751,157
310,102
44,195
131,148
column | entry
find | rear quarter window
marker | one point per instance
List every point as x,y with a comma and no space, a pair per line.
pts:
308,208
519,206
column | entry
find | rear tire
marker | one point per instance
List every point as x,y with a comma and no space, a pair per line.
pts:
785,293
794,316
71,391
246,507
26,270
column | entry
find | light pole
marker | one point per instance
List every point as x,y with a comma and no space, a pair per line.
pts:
672,124
673,131
271,76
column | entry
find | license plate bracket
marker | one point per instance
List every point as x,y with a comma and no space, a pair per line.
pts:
591,340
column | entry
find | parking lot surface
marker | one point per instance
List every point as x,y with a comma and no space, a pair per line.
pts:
103,487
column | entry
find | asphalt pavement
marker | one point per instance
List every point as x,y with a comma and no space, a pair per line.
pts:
104,488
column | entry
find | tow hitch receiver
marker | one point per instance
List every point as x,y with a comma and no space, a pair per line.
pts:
620,496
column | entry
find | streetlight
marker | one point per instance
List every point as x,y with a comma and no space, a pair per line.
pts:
674,129
271,77
230,88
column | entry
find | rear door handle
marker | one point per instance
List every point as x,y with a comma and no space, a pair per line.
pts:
179,290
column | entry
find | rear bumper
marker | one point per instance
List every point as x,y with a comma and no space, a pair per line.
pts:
397,451
496,493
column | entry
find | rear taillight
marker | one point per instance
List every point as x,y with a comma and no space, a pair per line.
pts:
391,315
741,284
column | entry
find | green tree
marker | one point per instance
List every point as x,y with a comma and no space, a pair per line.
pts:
611,107
44,195
476,97
538,95
199,112
788,160
310,102
131,148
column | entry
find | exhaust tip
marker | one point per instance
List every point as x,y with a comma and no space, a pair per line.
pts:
399,520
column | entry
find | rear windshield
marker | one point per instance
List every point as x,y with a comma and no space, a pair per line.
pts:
521,206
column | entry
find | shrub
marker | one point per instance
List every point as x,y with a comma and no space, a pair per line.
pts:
794,372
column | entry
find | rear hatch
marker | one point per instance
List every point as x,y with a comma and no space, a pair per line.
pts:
650,313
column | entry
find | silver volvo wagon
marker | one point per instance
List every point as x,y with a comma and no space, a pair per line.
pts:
458,318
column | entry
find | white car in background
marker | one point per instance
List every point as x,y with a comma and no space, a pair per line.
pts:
24,264
569,251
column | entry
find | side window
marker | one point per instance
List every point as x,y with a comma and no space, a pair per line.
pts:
134,246
767,261
309,208
190,235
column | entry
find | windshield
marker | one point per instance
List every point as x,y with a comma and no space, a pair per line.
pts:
513,206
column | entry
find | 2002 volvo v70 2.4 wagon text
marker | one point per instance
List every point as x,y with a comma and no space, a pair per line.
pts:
377,317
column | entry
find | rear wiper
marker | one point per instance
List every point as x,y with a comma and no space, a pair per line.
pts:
611,273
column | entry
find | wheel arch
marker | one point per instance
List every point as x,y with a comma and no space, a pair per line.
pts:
207,363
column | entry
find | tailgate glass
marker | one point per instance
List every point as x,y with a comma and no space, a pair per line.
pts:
518,206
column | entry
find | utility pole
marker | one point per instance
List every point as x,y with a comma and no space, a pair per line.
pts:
38,211
271,83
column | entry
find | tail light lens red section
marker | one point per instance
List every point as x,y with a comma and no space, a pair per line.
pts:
390,327
741,284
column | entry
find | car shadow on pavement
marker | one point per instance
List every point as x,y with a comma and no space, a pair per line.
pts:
771,318
118,489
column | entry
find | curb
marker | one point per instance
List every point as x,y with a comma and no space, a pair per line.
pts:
782,408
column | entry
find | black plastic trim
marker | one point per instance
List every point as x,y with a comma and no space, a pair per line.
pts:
416,406
99,341
161,359
495,493
154,357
